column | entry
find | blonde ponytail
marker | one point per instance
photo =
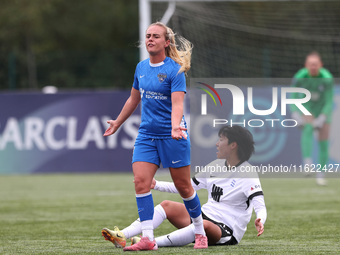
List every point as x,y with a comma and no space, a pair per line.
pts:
181,53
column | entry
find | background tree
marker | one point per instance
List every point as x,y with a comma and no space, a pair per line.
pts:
69,44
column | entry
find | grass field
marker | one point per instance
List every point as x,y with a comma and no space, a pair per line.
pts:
64,214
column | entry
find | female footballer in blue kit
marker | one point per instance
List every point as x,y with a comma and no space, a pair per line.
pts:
159,83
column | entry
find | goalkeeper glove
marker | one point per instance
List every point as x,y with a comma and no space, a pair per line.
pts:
299,119
319,121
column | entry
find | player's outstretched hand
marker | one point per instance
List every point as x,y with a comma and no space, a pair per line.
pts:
177,133
153,183
112,128
259,226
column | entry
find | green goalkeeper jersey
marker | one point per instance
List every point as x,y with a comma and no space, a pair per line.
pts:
321,89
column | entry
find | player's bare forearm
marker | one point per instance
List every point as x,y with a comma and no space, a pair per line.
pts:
128,108
177,100
176,115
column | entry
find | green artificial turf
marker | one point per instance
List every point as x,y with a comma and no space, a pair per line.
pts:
64,214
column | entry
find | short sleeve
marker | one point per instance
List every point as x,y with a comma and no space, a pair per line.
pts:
178,82
135,80
200,182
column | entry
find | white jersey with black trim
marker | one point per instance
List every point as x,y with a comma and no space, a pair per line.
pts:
230,194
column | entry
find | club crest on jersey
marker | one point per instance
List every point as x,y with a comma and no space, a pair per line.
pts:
161,77
321,87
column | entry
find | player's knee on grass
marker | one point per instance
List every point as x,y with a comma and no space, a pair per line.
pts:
166,204
171,207
176,213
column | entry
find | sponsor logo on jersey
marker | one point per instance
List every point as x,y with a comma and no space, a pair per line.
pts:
161,77
216,193
255,187
141,92
153,95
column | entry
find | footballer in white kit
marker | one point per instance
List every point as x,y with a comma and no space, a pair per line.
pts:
233,194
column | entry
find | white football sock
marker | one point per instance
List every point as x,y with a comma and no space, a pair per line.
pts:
179,237
198,224
320,175
147,229
135,228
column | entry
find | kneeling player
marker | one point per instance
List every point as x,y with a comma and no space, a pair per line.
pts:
232,197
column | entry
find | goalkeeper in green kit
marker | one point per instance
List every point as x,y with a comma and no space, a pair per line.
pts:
319,81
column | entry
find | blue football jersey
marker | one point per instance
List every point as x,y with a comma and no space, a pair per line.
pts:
155,83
